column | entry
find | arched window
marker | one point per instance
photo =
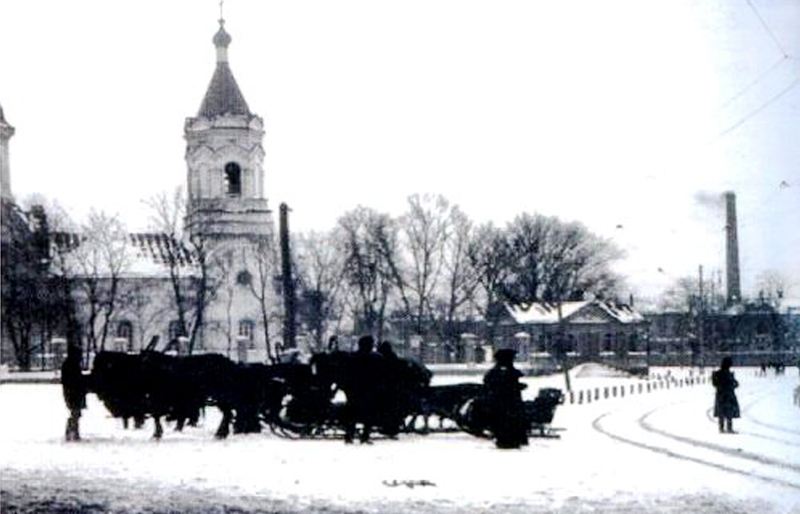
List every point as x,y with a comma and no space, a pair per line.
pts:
246,332
125,331
233,179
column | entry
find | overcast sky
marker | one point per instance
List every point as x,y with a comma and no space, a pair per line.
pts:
627,115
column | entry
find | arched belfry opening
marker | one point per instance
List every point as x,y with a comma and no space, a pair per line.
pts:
224,157
233,179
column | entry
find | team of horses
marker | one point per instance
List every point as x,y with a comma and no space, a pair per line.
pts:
294,399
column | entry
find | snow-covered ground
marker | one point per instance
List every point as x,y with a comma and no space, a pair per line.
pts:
652,452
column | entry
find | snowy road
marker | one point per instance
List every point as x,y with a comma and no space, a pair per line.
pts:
652,452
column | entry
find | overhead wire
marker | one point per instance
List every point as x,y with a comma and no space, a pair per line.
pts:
784,57
751,114
767,28
754,82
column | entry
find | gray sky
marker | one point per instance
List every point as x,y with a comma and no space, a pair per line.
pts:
625,115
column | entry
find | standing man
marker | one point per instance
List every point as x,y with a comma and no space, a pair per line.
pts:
726,406
362,391
74,388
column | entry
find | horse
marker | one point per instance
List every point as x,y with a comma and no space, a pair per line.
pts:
159,385
380,391
117,380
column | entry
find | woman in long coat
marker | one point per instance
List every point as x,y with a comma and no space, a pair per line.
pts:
504,398
726,406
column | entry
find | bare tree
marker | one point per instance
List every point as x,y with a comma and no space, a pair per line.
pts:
369,245
262,285
686,294
553,261
187,253
60,237
321,274
99,260
425,229
460,277
490,255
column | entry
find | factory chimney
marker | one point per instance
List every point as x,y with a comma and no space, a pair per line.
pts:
732,250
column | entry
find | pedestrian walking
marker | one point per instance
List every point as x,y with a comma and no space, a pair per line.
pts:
726,406
74,388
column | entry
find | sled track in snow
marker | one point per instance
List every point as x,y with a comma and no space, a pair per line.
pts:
773,427
710,416
760,459
778,428
745,413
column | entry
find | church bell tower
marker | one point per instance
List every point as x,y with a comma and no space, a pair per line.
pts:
6,131
224,155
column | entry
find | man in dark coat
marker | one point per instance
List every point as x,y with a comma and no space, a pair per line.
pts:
362,391
74,388
505,409
726,406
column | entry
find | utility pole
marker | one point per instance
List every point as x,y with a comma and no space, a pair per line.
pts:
565,357
700,311
289,302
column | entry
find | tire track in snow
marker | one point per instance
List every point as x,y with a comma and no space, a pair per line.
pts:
596,424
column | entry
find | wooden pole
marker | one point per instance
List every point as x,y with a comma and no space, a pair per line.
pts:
289,301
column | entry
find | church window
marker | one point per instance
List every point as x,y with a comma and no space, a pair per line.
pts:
246,332
244,278
233,179
125,331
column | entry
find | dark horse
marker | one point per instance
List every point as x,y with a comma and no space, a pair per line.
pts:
159,385
380,392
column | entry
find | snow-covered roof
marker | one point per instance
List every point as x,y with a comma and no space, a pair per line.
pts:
586,311
144,255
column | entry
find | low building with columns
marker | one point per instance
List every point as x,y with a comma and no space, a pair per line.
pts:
591,329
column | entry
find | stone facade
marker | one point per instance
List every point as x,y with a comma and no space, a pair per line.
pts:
227,221
6,131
